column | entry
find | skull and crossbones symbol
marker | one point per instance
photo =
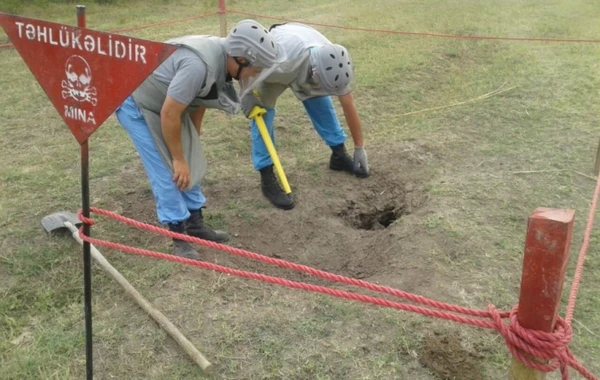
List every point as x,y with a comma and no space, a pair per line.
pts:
79,77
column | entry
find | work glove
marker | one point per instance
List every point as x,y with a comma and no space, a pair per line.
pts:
361,166
249,101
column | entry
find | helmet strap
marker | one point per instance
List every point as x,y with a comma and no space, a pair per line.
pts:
241,66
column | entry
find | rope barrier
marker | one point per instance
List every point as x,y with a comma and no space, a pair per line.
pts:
582,253
422,34
296,267
524,344
164,23
292,284
383,31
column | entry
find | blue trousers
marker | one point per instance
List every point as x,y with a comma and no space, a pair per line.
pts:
172,204
321,113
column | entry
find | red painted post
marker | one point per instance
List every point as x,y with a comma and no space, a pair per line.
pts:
223,17
549,233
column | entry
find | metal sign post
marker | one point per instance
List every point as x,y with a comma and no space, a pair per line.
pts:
87,261
86,74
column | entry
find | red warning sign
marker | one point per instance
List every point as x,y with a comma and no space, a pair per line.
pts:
86,74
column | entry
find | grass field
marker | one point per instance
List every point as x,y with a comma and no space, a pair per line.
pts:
468,136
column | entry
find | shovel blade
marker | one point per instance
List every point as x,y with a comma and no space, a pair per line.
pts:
56,222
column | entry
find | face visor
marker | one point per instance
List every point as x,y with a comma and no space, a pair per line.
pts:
256,72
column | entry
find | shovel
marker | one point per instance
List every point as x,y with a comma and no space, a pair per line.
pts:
256,114
66,221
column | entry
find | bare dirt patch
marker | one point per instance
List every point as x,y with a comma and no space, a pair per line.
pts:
376,211
444,355
361,228
341,224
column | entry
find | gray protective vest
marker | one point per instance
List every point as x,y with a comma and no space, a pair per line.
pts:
151,95
291,74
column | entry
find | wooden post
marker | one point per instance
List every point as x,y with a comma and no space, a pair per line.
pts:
597,164
223,18
545,259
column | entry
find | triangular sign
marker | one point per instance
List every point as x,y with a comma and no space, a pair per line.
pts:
86,74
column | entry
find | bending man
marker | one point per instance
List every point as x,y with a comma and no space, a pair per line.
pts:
315,70
163,118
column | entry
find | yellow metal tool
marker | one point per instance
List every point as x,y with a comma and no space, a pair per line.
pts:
256,114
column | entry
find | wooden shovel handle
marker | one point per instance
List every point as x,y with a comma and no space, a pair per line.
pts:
159,317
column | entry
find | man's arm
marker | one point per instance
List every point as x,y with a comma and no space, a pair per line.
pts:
170,122
361,165
184,87
352,119
196,117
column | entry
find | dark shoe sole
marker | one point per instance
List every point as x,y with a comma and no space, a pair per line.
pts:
284,207
190,257
342,169
280,206
224,240
191,254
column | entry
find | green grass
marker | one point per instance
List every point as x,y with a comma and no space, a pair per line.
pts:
476,216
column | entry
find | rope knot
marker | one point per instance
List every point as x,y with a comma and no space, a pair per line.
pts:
543,351
84,220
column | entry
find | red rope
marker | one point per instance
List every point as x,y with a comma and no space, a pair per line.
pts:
417,33
582,253
522,343
386,31
297,267
291,284
553,347
164,23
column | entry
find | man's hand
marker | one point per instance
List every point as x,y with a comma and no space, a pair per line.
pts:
361,166
249,101
181,174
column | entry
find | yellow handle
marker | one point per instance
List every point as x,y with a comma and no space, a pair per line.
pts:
256,114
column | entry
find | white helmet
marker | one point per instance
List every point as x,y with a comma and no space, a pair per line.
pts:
331,69
250,40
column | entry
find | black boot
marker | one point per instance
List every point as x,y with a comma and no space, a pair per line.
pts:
340,159
180,247
272,190
196,227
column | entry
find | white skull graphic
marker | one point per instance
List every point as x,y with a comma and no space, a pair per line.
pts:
79,77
